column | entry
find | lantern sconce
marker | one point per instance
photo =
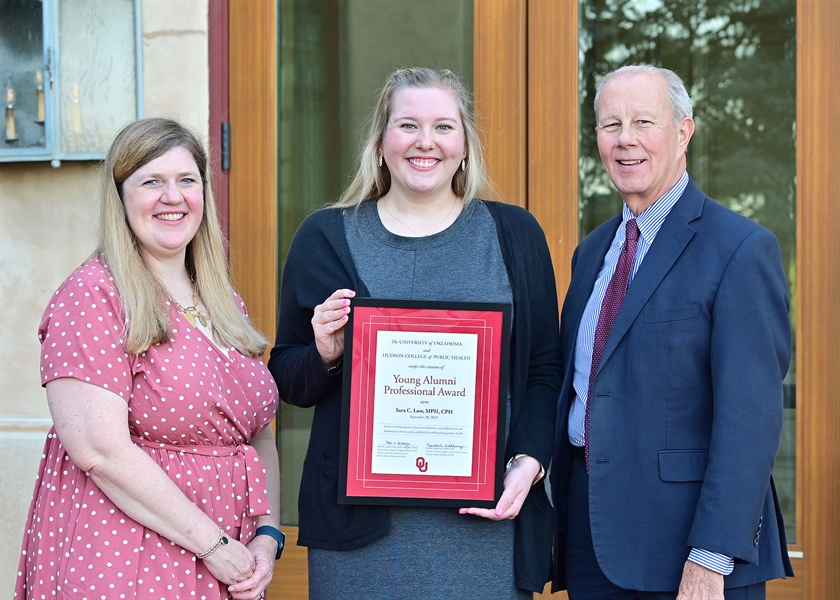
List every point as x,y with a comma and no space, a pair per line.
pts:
11,129
39,96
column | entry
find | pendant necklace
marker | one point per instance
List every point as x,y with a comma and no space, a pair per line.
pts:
418,234
192,313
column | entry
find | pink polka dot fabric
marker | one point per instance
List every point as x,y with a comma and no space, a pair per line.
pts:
192,408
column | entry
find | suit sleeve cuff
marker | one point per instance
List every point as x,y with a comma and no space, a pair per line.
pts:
719,563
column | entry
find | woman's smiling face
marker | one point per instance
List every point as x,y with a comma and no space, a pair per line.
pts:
164,204
424,142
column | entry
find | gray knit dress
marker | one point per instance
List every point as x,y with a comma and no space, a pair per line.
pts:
430,553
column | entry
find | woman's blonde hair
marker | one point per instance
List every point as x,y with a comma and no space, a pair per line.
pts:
372,181
143,296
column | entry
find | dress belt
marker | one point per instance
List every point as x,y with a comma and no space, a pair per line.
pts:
250,457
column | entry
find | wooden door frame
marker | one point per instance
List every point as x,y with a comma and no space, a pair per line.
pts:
818,296
253,146
531,138
529,158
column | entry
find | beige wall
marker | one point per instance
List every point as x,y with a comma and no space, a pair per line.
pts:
47,227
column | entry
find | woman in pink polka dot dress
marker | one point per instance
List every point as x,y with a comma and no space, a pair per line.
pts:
160,476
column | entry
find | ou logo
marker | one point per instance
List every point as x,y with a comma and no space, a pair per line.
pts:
422,465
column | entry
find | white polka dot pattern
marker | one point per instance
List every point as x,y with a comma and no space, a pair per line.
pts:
192,407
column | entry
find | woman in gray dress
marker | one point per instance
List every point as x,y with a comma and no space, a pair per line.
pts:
410,226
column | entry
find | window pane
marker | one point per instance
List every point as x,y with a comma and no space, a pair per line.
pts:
738,60
334,56
98,92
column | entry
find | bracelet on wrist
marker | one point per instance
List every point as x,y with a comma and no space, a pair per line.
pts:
222,539
276,534
516,457
336,367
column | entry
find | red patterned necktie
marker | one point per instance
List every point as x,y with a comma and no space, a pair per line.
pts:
609,309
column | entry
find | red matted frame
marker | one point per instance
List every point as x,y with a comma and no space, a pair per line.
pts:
482,487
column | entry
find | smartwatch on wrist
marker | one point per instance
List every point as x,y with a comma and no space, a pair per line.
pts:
276,534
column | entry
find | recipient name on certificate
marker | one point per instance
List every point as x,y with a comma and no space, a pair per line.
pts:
424,403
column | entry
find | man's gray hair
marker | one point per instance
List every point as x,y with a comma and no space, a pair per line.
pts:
677,94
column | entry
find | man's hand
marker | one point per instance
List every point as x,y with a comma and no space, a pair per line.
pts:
700,583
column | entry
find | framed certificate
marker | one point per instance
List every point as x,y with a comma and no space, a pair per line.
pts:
424,403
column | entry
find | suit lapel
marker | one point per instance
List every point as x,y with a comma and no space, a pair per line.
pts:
669,244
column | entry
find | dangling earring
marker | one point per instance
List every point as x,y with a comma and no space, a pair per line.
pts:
464,165
380,161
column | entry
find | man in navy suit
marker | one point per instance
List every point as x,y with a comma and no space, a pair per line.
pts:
662,484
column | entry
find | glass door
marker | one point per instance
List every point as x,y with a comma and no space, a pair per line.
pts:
738,60
334,57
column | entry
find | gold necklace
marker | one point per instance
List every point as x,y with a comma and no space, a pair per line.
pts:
418,234
192,313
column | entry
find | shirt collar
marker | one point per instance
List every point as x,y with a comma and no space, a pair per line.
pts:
652,218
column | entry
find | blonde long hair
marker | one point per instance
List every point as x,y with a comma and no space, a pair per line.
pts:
372,181
143,296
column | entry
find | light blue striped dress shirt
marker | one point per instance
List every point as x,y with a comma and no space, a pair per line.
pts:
649,223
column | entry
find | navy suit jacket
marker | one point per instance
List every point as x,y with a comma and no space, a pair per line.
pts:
686,411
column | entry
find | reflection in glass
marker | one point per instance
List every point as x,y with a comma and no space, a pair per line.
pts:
21,59
334,57
738,60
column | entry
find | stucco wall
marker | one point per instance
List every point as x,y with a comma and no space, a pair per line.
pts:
47,227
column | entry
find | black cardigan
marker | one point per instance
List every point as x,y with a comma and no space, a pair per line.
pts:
319,262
